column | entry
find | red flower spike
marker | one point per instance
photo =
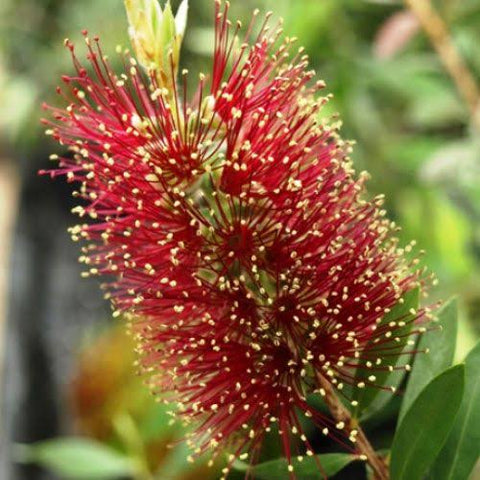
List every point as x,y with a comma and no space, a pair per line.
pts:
233,231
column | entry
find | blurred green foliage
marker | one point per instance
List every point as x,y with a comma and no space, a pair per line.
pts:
412,130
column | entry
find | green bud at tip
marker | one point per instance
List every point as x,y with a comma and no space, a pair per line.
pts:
156,36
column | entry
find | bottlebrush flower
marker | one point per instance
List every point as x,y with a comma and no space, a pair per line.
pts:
231,227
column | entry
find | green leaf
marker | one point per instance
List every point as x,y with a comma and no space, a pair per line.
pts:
440,345
384,397
156,423
462,450
76,458
166,29
434,104
426,425
366,396
175,464
310,468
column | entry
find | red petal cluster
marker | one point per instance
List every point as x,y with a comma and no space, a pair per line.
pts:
232,228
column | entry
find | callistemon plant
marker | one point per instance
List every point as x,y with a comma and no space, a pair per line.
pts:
227,219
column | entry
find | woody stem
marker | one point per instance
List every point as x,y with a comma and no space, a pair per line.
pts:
441,39
341,414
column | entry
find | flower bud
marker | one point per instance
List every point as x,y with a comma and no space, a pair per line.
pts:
157,36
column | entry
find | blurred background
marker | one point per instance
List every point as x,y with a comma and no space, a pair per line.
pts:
66,369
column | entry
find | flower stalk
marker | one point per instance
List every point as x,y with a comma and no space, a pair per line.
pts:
344,419
439,36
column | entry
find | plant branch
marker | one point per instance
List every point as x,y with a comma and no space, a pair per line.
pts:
439,35
342,415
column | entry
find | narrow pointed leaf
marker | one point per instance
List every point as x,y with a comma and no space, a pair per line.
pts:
310,468
384,397
366,396
440,344
426,425
462,450
77,459
166,32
